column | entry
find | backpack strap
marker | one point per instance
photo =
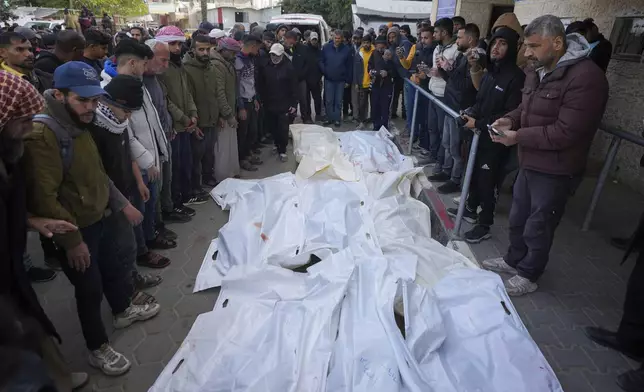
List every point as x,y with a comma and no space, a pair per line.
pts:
65,142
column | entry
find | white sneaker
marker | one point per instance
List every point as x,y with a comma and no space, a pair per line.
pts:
283,157
498,265
109,361
136,313
79,380
518,285
361,126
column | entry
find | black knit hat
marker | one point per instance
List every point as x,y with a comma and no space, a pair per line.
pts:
381,39
126,92
268,35
132,47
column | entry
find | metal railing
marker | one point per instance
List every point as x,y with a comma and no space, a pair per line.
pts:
472,154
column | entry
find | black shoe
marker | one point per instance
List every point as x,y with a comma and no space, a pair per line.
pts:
632,380
477,234
211,182
394,116
620,243
327,123
608,339
404,116
449,187
39,275
196,200
308,121
439,177
165,232
176,216
188,211
337,124
468,216
53,263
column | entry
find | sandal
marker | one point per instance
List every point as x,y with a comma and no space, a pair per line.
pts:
152,260
161,242
145,281
141,298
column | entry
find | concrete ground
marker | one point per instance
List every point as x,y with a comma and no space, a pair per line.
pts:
584,285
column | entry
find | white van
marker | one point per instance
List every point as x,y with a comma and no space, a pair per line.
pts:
305,22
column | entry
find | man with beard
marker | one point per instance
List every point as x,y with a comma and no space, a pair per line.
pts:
313,75
137,33
183,110
66,180
299,59
362,79
203,87
460,94
500,92
278,86
29,354
69,47
563,103
400,47
381,70
247,103
262,60
18,58
336,64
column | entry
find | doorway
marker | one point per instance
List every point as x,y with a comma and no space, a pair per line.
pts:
498,10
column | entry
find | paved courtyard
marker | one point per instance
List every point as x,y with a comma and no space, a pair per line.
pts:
584,285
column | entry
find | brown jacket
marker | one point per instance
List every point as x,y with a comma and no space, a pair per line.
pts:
559,115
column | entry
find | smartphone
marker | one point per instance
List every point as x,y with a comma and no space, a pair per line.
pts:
491,129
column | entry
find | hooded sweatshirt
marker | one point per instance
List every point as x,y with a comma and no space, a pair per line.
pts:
404,43
449,52
48,62
361,67
560,112
510,20
203,88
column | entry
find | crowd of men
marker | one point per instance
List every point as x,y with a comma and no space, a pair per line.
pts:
106,139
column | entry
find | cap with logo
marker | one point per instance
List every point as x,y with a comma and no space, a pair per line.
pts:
277,49
79,78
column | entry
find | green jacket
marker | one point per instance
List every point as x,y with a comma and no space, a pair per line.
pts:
82,194
227,82
202,79
180,103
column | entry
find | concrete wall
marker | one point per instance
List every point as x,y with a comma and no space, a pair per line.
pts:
480,11
626,103
228,14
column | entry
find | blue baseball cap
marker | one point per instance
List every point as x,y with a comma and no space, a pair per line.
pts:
79,78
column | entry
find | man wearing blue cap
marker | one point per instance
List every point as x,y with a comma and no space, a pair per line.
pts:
66,180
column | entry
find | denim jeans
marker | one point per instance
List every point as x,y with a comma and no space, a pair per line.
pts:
145,231
108,274
420,132
410,93
453,163
435,120
30,375
333,92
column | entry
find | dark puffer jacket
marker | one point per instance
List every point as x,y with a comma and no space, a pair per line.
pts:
560,113
278,86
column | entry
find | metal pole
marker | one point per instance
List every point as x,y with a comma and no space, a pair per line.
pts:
413,123
466,184
603,175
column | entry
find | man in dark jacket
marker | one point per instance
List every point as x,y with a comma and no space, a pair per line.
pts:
18,58
601,49
400,47
563,102
278,86
313,74
69,47
382,69
299,59
499,93
460,94
96,43
336,66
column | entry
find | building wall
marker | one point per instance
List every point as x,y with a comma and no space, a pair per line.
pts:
262,16
626,102
480,11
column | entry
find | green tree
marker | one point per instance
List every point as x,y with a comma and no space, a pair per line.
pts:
337,13
112,7
6,11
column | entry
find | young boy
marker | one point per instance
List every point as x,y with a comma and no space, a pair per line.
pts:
381,69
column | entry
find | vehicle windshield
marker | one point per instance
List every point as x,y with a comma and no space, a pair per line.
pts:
38,24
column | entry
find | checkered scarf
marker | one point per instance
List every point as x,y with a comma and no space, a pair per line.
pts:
18,98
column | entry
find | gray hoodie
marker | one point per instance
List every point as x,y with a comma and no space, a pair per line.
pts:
577,48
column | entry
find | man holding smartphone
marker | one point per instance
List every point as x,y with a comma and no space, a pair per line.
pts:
499,93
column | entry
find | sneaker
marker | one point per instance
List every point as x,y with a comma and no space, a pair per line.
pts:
449,187
196,200
283,157
361,126
210,182
518,285
621,243
53,263
468,216
498,265
110,362
246,165
327,123
135,313
632,380
165,232
477,234
308,121
255,160
609,339
40,275
394,116
176,216
337,124
439,177
79,379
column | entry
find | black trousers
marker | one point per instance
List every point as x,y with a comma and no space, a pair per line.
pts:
314,90
203,157
277,123
399,84
489,164
247,132
346,101
631,329
304,100
538,203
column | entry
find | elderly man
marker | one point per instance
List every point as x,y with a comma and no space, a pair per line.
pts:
564,98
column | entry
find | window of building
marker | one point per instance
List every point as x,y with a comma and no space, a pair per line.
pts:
628,39
241,17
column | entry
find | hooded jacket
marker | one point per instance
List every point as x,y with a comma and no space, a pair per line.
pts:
378,63
449,52
510,20
48,62
404,43
500,90
361,67
148,142
80,194
227,83
601,51
336,64
181,105
560,112
278,86
202,80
